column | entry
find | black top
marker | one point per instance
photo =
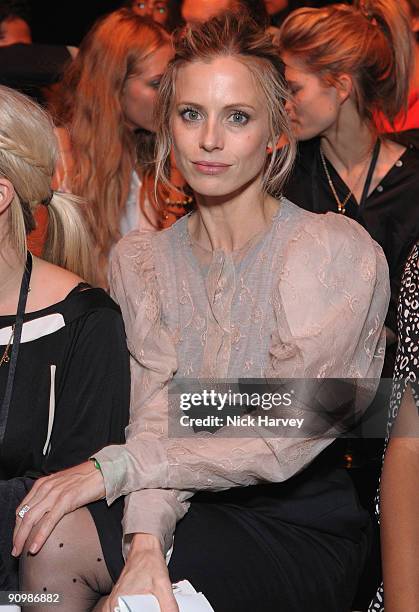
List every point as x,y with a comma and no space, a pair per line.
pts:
32,64
71,390
390,213
29,67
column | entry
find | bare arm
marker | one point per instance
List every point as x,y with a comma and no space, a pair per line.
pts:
399,511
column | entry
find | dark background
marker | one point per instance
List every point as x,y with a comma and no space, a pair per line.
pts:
66,22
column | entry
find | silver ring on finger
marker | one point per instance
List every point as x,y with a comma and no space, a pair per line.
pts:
23,511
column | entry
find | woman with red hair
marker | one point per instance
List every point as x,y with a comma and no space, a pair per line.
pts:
344,64
105,105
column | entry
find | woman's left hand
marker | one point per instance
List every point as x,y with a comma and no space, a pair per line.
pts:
145,572
50,499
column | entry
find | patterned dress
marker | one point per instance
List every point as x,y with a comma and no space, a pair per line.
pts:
407,364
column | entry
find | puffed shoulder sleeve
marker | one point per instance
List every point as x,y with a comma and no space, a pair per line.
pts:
134,286
330,301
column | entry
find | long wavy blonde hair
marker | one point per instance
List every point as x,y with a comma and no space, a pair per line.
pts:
104,149
28,153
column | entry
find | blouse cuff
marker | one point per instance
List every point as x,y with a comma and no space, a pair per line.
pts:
123,472
153,511
113,466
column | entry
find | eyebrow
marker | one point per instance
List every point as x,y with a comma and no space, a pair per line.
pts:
227,107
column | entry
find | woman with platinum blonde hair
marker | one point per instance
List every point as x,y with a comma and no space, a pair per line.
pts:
247,286
58,336
29,162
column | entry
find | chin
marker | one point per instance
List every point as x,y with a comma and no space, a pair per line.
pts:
304,133
215,187
214,192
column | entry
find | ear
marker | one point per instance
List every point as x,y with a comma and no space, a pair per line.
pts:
7,193
344,87
414,24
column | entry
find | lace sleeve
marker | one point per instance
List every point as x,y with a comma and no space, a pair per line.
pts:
153,361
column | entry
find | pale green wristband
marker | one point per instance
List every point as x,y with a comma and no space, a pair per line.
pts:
96,463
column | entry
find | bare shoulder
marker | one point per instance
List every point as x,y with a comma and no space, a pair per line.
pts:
50,284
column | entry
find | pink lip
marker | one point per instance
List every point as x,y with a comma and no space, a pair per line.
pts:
211,168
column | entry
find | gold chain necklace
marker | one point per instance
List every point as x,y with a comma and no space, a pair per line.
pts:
341,205
5,357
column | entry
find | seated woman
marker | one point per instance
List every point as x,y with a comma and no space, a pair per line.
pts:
248,286
104,108
343,64
400,477
64,373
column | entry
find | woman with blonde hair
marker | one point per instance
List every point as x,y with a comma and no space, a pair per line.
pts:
248,286
60,340
105,106
344,64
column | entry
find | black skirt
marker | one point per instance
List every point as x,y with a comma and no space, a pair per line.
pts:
296,546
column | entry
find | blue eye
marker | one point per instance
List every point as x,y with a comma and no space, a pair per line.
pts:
190,114
239,118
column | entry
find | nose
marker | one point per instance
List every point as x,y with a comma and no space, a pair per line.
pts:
288,106
211,136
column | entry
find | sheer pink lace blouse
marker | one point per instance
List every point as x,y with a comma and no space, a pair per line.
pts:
307,298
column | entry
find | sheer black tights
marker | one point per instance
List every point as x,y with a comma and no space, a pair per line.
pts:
70,563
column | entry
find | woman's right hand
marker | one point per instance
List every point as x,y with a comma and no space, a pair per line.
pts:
50,499
145,572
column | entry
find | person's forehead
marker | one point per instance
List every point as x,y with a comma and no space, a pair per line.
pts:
227,78
200,10
156,62
295,67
